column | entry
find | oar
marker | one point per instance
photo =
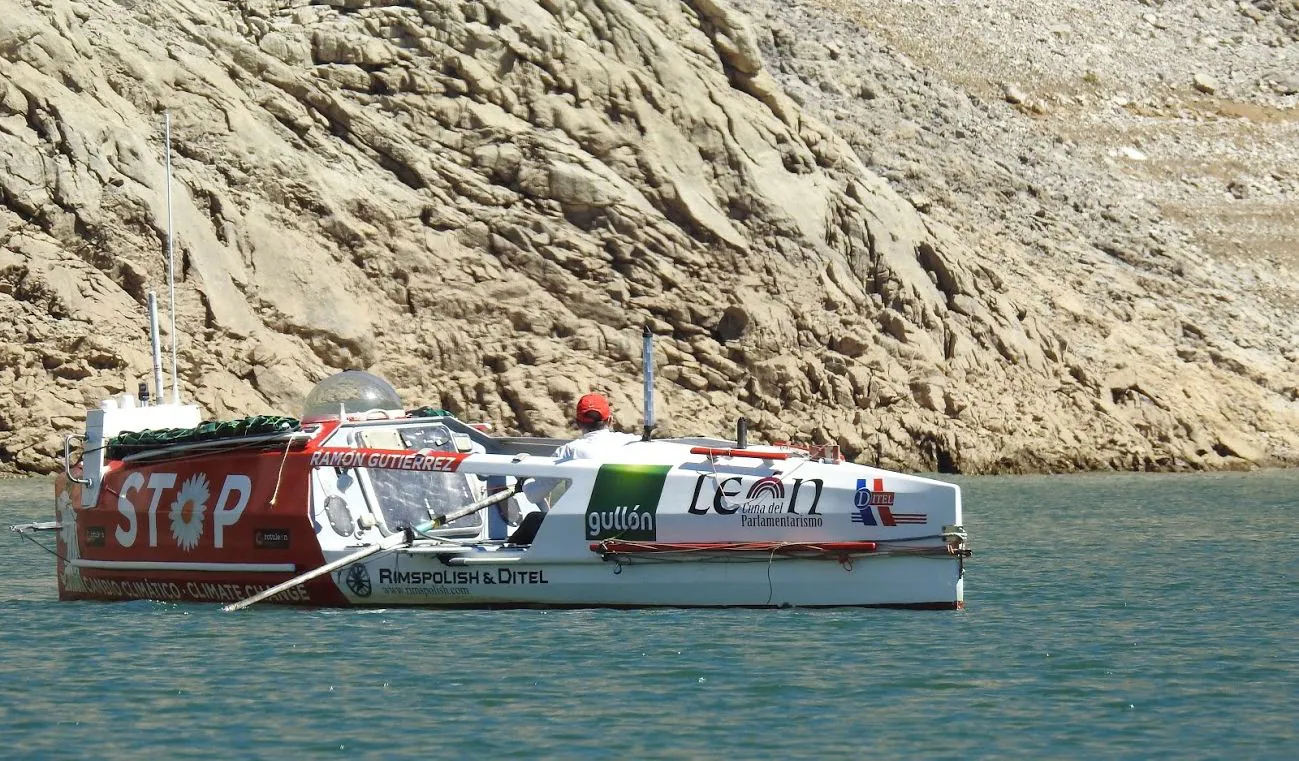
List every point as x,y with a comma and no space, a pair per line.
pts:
442,520
388,543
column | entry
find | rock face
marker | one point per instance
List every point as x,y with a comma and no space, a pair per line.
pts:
484,202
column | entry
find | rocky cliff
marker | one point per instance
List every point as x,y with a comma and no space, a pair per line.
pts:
936,266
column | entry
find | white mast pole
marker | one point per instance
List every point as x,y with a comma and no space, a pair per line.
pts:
171,272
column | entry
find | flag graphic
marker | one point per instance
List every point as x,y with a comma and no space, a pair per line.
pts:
868,500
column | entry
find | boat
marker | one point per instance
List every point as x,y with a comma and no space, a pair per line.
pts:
361,502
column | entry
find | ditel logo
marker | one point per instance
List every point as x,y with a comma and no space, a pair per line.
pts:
625,501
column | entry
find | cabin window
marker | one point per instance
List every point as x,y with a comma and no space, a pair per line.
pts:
409,498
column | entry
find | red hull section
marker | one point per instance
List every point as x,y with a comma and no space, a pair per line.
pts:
210,527
206,587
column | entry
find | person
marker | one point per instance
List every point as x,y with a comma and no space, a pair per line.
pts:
592,417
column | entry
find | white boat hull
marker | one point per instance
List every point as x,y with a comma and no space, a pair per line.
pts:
886,581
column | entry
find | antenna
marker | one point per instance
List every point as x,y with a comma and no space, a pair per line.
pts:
647,365
158,394
171,272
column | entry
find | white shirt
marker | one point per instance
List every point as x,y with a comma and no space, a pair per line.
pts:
595,445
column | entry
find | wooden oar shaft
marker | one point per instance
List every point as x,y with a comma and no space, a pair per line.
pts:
388,543
443,520
309,575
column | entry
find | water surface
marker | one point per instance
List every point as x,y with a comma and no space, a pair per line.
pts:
1108,616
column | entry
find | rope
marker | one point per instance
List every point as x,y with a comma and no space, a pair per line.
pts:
279,477
717,484
55,553
443,539
712,463
746,553
179,457
771,590
129,442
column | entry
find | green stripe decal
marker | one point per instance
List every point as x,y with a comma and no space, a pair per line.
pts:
625,501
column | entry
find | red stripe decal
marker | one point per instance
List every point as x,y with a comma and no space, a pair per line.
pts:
630,547
711,452
387,459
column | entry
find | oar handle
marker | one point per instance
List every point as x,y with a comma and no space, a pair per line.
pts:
388,543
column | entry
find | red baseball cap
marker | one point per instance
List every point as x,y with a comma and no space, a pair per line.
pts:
592,408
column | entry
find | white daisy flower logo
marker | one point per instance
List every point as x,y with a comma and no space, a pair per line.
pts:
67,521
187,512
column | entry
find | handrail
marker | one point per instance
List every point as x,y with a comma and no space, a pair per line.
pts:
67,458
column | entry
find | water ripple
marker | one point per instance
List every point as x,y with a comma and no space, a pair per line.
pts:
1121,616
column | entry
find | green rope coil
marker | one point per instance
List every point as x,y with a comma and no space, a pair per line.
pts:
427,411
128,442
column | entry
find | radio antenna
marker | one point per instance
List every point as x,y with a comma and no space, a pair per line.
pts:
171,271
159,393
647,367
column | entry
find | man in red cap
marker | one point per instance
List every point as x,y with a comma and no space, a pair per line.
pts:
592,417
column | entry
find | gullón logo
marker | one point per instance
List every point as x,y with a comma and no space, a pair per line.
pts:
624,502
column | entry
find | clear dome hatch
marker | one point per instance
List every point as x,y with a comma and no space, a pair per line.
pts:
352,391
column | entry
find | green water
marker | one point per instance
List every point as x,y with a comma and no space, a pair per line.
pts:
1117,616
